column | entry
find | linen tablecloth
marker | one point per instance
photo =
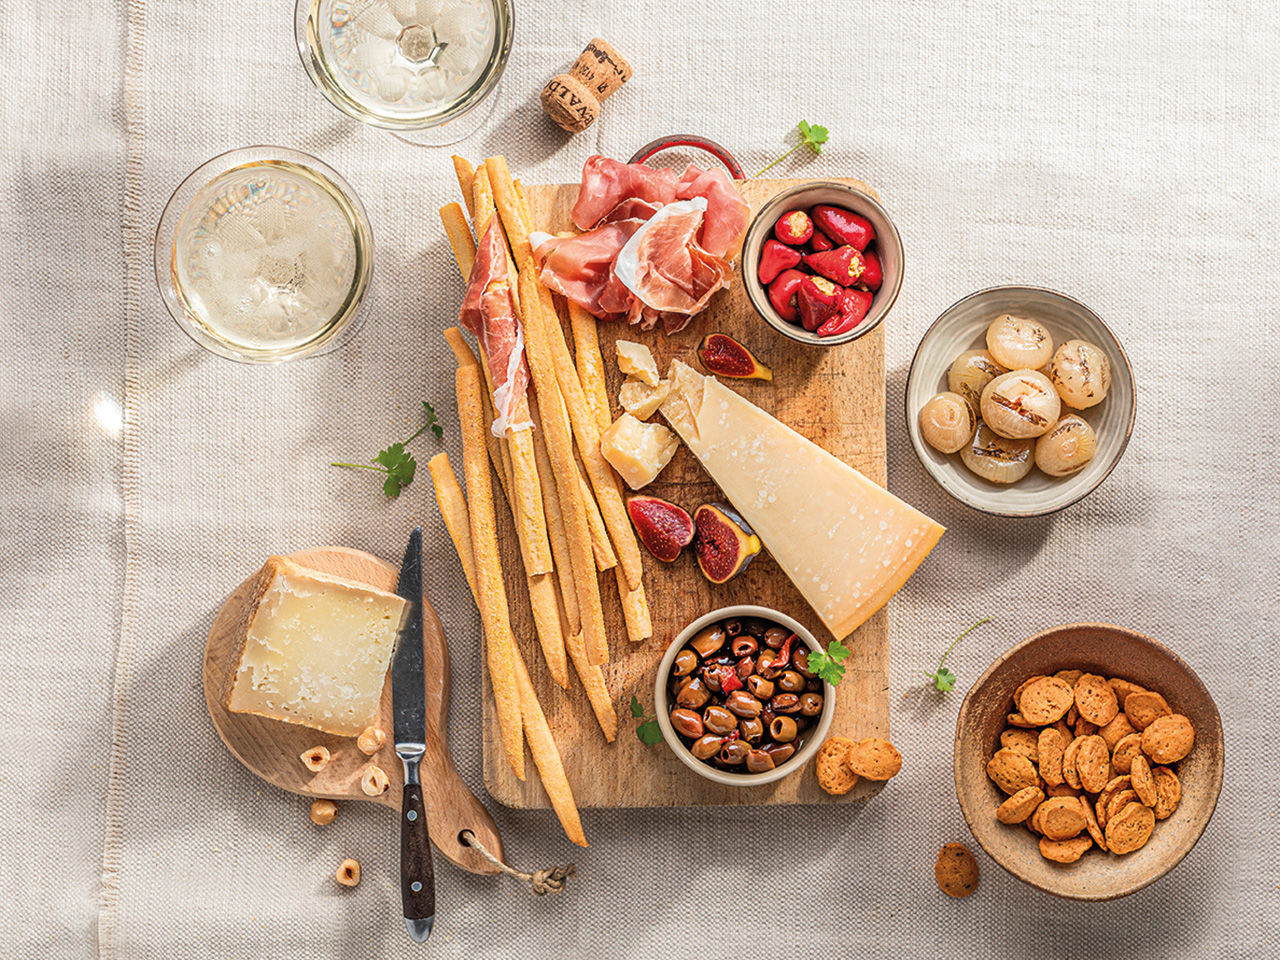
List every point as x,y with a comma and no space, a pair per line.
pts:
1125,153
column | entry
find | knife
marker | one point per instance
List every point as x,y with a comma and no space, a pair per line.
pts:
409,711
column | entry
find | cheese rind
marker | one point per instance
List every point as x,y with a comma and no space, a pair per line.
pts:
846,543
316,650
637,450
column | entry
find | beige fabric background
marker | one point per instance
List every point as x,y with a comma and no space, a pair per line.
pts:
1125,153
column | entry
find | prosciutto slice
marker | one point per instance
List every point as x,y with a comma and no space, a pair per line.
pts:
489,312
656,245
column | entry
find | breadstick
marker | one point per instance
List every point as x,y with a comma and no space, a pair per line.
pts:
499,185
466,173
460,239
601,548
592,678
491,592
555,529
586,352
546,756
497,452
635,609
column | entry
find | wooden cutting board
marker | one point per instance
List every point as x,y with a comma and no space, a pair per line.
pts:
836,398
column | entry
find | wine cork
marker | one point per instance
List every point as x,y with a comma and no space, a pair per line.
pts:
569,103
601,68
573,99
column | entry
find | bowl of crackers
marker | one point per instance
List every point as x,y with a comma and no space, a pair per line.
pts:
1088,760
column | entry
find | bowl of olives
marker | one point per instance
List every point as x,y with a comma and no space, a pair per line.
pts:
735,699
1020,401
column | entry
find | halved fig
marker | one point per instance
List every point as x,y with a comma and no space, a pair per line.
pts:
664,528
722,354
725,543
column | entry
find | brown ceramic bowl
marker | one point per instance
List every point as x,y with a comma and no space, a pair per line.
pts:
1113,652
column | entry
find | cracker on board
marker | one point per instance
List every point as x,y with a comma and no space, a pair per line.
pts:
834,775
874,758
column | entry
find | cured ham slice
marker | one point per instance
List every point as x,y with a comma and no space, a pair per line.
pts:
607,183
489,312
656,246
727,214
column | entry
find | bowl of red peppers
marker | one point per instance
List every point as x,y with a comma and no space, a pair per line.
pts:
822,263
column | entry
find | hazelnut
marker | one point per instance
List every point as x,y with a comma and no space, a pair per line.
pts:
374,781
315,759
348,873
323,812
371,740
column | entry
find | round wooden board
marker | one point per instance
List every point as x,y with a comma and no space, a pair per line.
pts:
271,748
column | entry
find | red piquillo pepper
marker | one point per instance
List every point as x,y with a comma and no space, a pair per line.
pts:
819,301
854,305
820,241
793,227
843,265
872,270
783,294
774,258
844,226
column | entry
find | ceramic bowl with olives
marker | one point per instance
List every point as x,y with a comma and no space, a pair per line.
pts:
1020,401
735,698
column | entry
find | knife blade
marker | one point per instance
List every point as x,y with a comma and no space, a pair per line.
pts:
409,722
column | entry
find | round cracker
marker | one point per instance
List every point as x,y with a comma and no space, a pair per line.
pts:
1069,772
1096,699
1084,728
1144,707
1124,752
1144,784
1017,694
1069,676
1020,806
1116,730
1061,818
1091,823
834,775
1011,772
1065,851
956,870
1109,791
874,758
1023,741
1093,763
1130,828
1018,720
1119,800
1123,688
1168,792
1045,699
1061,790
1049,749
1168,739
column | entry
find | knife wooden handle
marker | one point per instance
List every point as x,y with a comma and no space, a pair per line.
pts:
417,879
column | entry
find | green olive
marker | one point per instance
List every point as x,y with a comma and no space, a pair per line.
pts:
997,458
1081,373
1068,446
947,422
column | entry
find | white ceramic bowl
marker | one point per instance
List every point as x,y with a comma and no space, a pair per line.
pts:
888,245
662,702
963,326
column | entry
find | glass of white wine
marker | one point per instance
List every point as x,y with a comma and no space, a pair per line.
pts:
265,254
419,68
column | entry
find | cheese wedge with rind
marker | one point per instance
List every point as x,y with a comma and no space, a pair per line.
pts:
846,543
316,649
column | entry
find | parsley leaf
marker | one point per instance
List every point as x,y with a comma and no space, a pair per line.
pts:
649,733
637,710
943,679
397,463
827,665
811,136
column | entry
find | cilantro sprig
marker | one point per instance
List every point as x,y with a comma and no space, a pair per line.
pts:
648,731
943,679
828,665
395,461
811,136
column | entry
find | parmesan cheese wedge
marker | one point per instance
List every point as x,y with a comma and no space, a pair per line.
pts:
846,543
316,649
